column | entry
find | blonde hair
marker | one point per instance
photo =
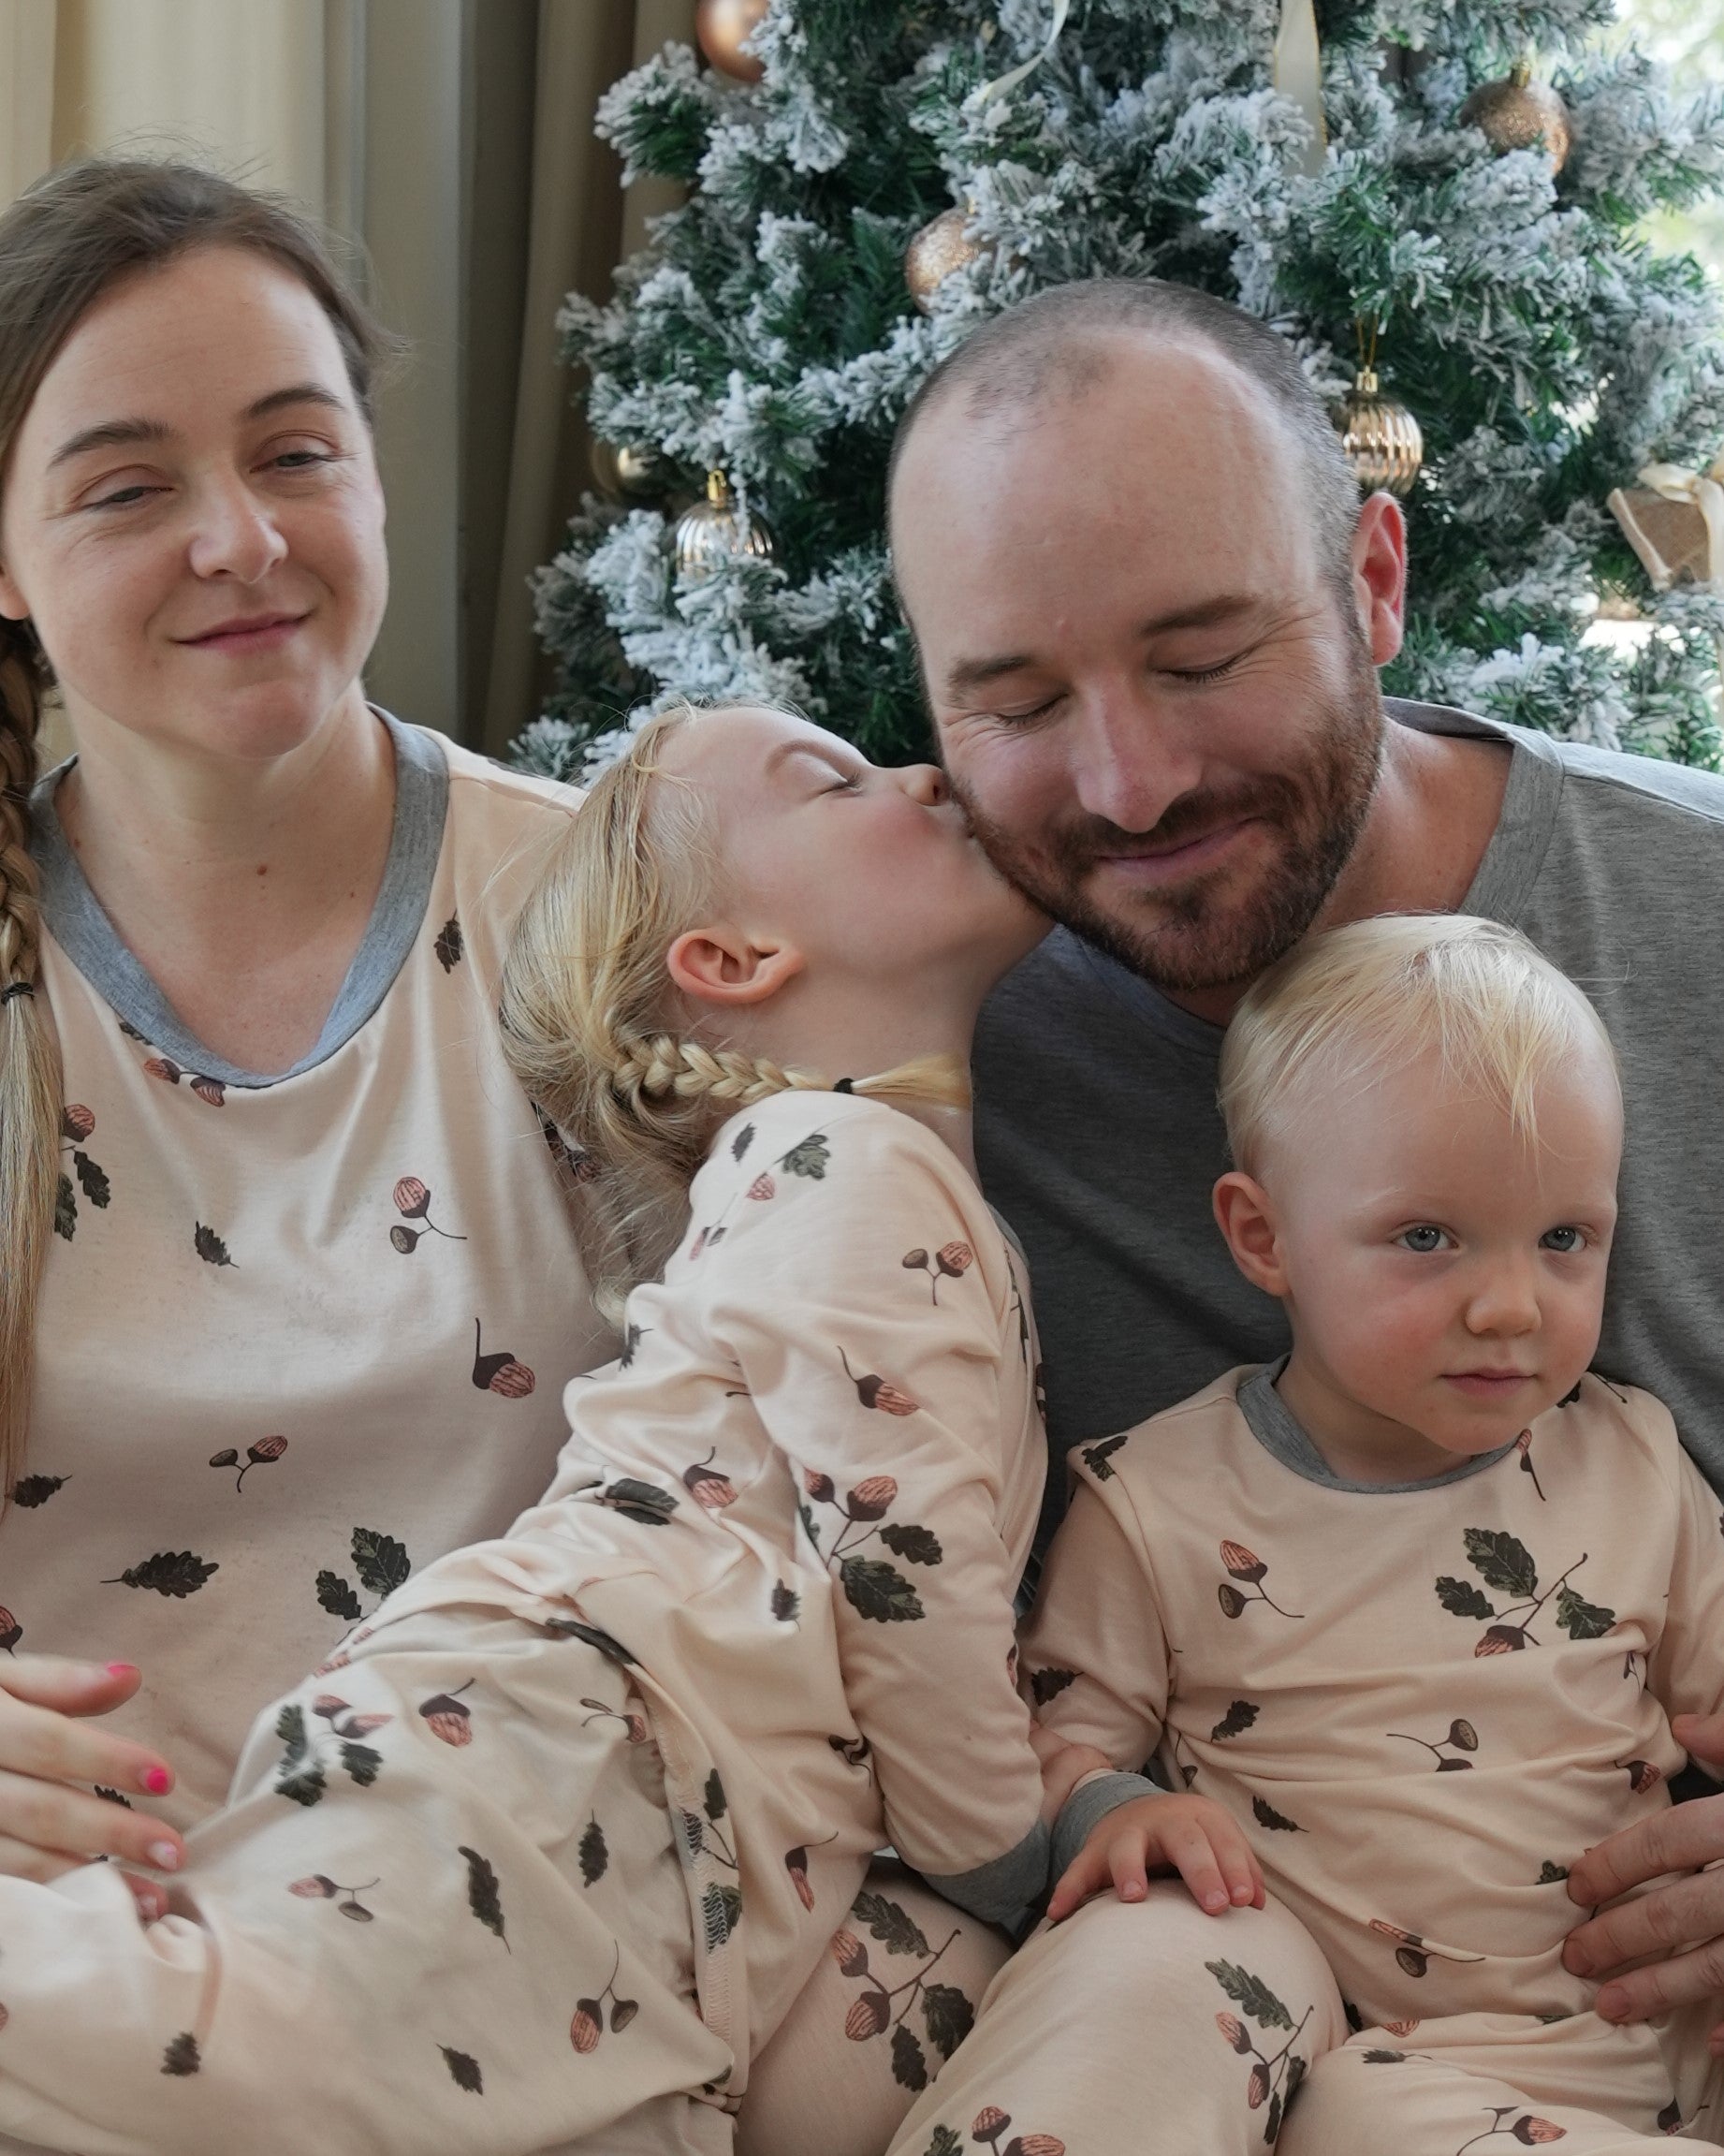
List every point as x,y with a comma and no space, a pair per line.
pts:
1370,998
587,1003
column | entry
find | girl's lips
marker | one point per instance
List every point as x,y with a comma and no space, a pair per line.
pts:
1487,1383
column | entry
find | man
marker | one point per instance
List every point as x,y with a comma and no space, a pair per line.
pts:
1150,609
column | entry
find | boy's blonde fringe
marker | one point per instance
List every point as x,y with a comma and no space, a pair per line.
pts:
585,1002
1368,999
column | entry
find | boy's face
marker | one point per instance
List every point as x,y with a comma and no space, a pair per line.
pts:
1443,1278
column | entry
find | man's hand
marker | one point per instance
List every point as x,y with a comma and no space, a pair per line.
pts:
1687,1912
1187,1834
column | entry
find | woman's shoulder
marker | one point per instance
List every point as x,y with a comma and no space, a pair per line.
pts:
488,795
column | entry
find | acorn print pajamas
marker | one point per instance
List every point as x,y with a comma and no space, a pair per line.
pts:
1421,1703
541,1857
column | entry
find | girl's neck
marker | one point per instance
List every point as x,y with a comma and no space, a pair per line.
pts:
243,888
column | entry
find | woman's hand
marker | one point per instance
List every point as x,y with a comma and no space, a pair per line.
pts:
1187,1834
49,1820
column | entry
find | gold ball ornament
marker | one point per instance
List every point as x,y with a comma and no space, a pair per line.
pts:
1380,437
940,247
719,530
629,472
1517,113
722,28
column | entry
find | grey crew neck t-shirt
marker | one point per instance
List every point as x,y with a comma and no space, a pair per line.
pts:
1099,1137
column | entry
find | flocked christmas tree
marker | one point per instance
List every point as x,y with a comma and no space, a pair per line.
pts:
768,333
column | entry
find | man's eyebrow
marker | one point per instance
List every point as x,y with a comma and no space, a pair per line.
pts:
124,433
969,675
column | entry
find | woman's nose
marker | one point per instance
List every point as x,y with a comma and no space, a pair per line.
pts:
233,535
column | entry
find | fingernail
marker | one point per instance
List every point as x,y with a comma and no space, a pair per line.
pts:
157,1780
163,1855
152,1907
121,1669
1612,2005
1243,1894
1574,1960
1215,1899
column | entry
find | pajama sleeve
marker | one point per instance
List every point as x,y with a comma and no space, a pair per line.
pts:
870,1308
1095,1657
1686,1673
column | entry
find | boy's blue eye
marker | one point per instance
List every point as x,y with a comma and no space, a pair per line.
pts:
1423,1238
1565,1240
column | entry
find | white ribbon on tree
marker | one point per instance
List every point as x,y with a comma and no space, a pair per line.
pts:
1003,85
1297,73
1676,483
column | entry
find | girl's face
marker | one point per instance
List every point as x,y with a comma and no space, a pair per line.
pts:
191,515
868,871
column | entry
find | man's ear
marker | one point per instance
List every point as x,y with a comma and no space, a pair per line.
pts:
721,966
1246,1216
13,604
1380,574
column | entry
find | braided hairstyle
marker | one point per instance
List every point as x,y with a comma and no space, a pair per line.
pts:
587,1004
64,244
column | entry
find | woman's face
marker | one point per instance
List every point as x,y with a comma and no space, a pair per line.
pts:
192,518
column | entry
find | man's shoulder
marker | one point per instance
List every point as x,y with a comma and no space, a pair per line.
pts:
1604,780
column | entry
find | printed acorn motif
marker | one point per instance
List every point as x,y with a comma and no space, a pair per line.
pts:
265,1453
413,1201
499,1373
795,1863
588,2025
949,1262
878,1392
1462,1736
447,1718
11,1632
707,1486
1243,1566
77,1122
1643,1775
317,1887
762,1187
634,1723
873,1497
990,2122
1415,1954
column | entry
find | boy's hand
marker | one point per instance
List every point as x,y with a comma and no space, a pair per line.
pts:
1186,1834
1064,1767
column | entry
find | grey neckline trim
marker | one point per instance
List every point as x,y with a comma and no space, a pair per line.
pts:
1276,1429
74,914
1500,890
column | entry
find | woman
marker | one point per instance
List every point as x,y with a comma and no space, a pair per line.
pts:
288,1288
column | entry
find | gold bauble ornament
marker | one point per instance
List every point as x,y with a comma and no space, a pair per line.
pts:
721,29
631,472
940,247
1517,113
1380,437
719,530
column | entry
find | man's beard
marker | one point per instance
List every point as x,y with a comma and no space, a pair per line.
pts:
1189,938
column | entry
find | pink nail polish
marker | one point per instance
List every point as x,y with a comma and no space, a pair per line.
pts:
121,1669
158,1782
164,1856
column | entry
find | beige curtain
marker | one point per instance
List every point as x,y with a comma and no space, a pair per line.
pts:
452,139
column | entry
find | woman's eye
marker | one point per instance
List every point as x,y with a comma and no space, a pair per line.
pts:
1566,1239
122,497
1423,1238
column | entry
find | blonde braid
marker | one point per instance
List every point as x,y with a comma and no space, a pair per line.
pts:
584,1004
30,1079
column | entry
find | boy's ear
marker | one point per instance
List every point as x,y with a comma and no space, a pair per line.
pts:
721,966
1245,1215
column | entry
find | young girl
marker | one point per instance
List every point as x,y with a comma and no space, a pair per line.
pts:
1414,1608
541,1856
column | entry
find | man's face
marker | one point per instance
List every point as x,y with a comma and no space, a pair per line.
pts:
1161,717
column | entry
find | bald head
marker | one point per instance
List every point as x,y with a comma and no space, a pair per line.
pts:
1061,345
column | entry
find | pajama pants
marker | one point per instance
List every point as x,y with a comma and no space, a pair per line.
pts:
1114,2035
450,1914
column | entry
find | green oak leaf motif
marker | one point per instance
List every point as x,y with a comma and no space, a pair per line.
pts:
914,1545
1266,1816
741,1142
721,1912
878,1590
1502,1562
787,1604
34,1490
92,1181
1250,1994
642,1502
594,1853
1238,1718
483,1896
360,1763
175,1573
380,1561
949,2015
182,2056
65,1208
1550,1874
337,1597
1045,1684
210,1246
1581,1618
1095,1457
890,1923
712,1797
1461,1598
946,2143
463,2070
909,2060
808,1157
299,1777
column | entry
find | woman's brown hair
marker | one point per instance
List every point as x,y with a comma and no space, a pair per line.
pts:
64,242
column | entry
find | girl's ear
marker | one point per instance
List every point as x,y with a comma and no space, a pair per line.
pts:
721,966
1246,1216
